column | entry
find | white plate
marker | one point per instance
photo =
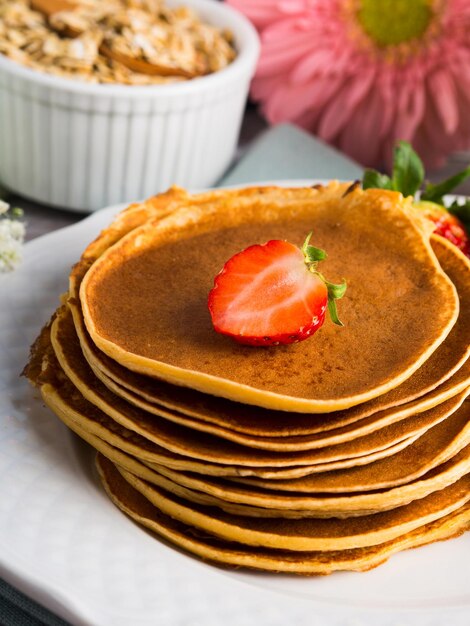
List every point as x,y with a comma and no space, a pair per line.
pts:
64,543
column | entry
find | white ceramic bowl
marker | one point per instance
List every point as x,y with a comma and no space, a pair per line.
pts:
83,146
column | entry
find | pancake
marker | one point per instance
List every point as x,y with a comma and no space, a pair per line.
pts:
136,506
324,534
427,452
163,204
444,362
254,426
422,456
146,307
97,424
181,440
247,500
71,407
187,486
336,485
67,349
64,398
103,433
251,502
306,534
451,353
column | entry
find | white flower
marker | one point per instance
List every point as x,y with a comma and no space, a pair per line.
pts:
12,234
17,229
10,255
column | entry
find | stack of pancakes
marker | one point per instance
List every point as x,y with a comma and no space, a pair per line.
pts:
329,454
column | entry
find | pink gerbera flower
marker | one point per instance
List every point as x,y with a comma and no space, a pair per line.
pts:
361,74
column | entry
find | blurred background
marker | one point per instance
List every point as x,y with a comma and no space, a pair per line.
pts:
357,75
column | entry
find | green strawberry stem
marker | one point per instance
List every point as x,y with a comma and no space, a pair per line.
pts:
312,256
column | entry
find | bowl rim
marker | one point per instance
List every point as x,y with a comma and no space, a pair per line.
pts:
245,35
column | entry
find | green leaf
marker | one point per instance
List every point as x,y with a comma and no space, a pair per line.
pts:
312,254
315,254
335,292
436,193
461,210
333,311
375,180
408,169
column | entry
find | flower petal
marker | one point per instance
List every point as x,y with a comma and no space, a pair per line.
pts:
342,107
360,138
290,102
261,12
442,90
410,111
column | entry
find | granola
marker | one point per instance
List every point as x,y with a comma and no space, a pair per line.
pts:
73,43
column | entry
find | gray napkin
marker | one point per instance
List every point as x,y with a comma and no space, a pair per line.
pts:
282,152
16,609
287,153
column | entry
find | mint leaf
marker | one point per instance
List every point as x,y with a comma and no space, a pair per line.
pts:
461,210
408,169
375,180
436,193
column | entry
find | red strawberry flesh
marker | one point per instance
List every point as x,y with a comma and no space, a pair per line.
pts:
267,295
446,225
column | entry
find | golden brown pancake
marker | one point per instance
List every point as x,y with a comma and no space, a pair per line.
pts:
181,440
336,532
257,424
163,479
79,414
199,544
82,417
251,502
444,362
70,406
378,437
307,533
241,499
186,451
145,306
163,204
430,450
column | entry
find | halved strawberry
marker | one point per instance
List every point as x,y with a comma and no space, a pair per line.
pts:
446,224
272,294
408,177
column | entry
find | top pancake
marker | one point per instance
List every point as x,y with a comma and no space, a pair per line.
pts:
145,299
269,423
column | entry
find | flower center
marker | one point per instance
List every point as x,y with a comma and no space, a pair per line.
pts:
391,22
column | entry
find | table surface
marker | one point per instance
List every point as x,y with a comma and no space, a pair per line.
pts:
41,219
